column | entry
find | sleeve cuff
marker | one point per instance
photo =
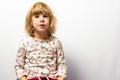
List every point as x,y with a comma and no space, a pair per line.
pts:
61,75
21,75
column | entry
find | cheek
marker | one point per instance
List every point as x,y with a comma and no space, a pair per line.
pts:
47,22
34,23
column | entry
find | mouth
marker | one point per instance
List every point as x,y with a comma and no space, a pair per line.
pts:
42,25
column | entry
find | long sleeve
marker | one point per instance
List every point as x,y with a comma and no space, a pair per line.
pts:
40,58
62,68
20,61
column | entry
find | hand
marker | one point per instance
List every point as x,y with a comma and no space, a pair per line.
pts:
23,78
60,78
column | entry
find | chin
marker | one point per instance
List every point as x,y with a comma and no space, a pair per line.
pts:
42,30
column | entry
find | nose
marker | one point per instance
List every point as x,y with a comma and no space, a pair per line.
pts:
41,18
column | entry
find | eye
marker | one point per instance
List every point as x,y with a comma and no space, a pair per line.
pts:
36,16
45,16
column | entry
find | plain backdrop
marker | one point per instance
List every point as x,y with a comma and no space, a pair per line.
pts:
88,29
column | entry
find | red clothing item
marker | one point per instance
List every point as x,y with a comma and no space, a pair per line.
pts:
42,78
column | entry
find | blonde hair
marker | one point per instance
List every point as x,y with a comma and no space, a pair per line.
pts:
37,8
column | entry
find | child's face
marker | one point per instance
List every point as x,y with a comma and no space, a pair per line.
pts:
40,22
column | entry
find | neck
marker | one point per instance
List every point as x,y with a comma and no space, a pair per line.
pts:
41,36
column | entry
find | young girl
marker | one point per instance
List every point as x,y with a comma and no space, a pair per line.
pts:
40,55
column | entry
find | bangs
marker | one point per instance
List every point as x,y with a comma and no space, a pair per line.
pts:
40,10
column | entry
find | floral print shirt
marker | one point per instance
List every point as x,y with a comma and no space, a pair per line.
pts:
40,58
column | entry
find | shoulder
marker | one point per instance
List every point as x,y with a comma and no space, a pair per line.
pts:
26,39
56,40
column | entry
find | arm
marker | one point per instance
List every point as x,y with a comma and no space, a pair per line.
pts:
20,62
62,68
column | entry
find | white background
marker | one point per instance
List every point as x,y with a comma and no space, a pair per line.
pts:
88,29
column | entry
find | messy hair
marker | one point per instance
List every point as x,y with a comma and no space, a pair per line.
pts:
42,8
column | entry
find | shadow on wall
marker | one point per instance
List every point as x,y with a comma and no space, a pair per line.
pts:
74,72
